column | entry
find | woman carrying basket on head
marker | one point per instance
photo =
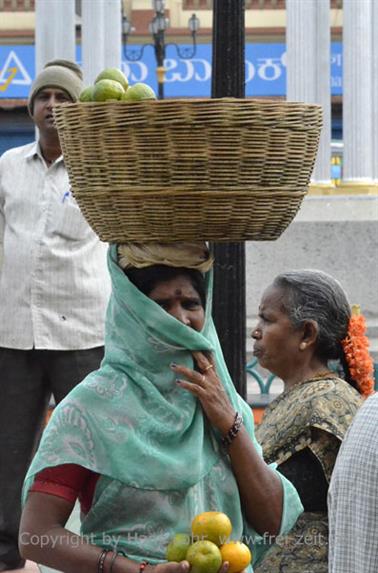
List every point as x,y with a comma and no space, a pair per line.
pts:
305,321
155,436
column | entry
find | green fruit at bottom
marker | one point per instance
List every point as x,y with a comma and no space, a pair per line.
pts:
178,547
204,557
87,94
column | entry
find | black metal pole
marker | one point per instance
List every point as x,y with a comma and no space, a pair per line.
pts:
229,307
159,42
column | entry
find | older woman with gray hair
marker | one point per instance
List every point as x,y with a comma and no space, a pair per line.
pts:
304,322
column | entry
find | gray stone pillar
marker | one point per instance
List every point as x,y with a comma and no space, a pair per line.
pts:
375,91
308,69
300,46
322,170
113,34
55,32
358,126
92,38
101,36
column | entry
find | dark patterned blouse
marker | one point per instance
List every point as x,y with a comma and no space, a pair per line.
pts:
301,431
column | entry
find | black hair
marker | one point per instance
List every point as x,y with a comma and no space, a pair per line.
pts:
315,295
147,278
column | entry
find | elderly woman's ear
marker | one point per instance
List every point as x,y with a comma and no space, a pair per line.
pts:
310,331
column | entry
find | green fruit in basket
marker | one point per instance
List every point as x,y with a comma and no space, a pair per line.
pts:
105,90
178,547
87,94
113,74
139,92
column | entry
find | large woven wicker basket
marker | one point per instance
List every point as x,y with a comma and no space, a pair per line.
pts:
172,170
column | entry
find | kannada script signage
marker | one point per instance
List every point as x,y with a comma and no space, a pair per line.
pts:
265,70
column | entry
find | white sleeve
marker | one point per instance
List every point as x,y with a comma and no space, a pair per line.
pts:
2,215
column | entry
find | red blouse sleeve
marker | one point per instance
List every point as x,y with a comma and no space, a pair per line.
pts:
69,482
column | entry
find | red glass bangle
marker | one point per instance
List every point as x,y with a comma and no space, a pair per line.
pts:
142,566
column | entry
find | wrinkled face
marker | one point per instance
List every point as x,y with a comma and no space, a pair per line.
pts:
43,104
180,299
276,343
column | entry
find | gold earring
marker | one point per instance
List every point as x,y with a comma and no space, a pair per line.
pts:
302,345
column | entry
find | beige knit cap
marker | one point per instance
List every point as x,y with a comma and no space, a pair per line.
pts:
193,255
61,74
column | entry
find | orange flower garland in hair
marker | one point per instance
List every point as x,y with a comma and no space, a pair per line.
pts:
356,350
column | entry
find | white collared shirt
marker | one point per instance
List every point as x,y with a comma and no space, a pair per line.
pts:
54,282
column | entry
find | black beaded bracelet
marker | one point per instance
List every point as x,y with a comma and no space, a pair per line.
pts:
233,431
101,560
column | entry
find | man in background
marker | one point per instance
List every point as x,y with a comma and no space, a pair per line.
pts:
54,288
353,496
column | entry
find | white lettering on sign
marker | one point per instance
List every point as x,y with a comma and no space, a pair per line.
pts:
185,76
135,71
203,70
249,71
169,65
336,82
198,69
270,69
13,61
336,59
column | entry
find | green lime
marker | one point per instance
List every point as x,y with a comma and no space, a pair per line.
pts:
107,90
87,94
178,547
113,74
138,92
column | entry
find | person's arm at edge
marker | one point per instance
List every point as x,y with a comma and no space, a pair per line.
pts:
2,214
44,539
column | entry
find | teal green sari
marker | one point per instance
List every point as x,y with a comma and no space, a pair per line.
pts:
159,459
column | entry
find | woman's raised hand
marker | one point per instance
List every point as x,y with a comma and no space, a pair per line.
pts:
209,390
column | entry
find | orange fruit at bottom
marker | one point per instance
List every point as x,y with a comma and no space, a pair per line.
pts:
237,554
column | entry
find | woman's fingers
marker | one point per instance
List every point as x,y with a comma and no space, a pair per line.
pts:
191,375
195,389
206,367
207,387
206,378
172,567
204,362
